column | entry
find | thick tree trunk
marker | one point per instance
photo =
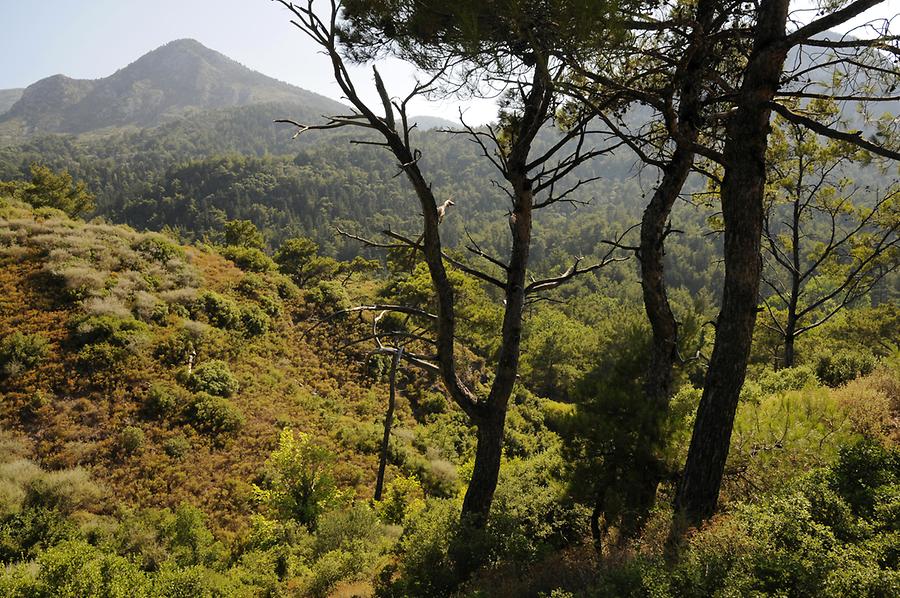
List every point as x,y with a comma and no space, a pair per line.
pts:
485,473
388,422
742,210
480,494
659,375
789,353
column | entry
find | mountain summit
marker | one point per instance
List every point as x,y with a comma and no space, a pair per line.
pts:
179,78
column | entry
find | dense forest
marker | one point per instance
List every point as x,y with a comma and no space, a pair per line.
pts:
640,336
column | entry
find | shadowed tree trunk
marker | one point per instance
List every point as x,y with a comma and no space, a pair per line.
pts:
742,194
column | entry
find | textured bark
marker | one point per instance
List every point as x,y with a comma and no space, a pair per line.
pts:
742,210
659,375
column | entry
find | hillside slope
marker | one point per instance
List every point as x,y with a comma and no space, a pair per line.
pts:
118,316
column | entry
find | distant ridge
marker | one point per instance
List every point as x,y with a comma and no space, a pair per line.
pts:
182,77
8,97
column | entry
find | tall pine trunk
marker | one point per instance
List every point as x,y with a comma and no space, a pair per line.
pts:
742,210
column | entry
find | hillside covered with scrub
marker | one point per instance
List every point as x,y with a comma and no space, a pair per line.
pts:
626,326
177,424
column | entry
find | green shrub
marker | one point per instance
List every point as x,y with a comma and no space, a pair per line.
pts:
213,377
102,356
248,258
190,339
346,529
214,415
402,497
783,380
177,447
24,535
423,562
255,320
838,368
163,402
301,485
159,248
132,440
19,352
220,311
243,233
120,332
66,490
329,295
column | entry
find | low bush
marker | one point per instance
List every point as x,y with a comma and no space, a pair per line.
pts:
132,440
20,352
213,377
838,368
250,259
214,415
254,320
159,248
163,402
220,311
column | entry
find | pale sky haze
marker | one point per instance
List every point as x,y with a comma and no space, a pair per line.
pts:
93,38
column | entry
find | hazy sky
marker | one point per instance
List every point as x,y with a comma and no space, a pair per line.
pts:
92,38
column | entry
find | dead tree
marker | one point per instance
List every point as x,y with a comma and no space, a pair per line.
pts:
531,183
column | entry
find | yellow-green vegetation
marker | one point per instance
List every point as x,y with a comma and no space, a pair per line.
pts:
174,424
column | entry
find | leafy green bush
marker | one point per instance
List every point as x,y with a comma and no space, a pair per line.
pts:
255,320
213,377
838,368
132,440
243,233
214,415
402,496
163,402
220,311
301,485
112,330
19,352
329,295
159,248
177,447
248,258
66,490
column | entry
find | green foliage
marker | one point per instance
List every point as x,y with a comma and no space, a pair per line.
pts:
299,259
329,295
254,320
301,485
214,415
243,233
20,352
221,311
159,248
402,497
56,190
250,259
65,490
213,377
838,368
113,330
163,402
617,441
132,440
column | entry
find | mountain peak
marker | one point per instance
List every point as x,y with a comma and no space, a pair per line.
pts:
178,78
